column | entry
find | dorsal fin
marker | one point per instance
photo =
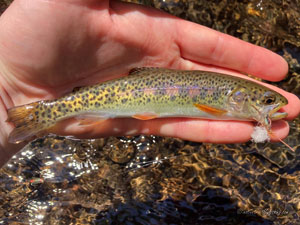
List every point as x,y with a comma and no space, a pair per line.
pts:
75,89
143,69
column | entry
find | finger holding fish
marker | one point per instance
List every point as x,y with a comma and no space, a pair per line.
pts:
191,129
224,51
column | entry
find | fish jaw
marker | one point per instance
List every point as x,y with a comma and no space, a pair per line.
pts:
274,112
270,113
278,115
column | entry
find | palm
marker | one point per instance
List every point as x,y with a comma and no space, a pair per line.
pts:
62,48
49,47
64,44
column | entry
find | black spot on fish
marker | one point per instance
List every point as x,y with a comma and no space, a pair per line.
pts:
124,100
63,105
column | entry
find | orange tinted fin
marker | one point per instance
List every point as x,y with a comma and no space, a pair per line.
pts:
210,110
90,120
146,116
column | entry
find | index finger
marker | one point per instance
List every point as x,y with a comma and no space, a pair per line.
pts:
204,45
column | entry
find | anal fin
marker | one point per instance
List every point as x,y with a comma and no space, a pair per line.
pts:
145,116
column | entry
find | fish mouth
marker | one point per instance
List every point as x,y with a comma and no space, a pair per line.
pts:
277,113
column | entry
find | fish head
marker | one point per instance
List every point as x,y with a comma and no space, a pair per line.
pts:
265,105
258,103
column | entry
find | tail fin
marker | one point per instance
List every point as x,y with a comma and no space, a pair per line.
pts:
26,121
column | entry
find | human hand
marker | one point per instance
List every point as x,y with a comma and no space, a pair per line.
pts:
49,47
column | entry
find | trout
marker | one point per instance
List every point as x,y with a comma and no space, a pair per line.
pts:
149,93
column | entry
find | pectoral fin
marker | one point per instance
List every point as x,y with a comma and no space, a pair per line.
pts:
145,116
86,120
210,110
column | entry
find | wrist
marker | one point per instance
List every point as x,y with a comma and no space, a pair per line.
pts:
6,149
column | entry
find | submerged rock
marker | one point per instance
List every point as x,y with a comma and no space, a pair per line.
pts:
147,180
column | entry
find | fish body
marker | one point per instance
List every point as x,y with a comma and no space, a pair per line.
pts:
149,93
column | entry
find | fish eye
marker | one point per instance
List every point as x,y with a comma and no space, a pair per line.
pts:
269,100
239,96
